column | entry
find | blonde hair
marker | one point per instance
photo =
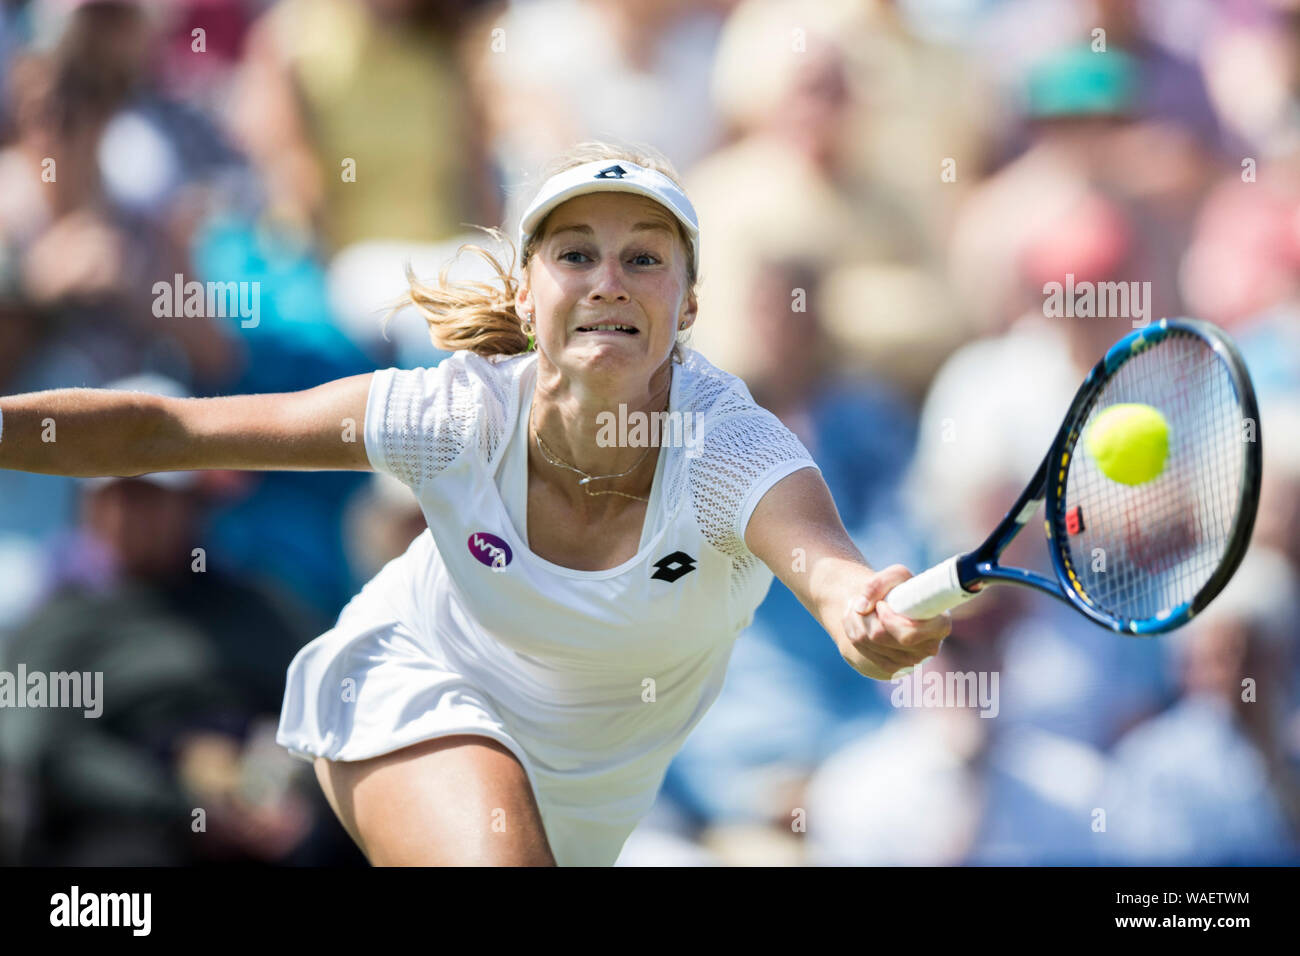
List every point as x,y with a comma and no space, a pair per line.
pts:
481,317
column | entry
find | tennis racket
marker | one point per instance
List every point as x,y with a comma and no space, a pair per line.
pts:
1137,559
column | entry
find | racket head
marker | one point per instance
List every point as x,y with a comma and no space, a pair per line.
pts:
1144,559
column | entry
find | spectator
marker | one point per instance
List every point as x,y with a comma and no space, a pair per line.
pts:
1208,782
356,116
382,522
791,164
629,71
191,659
33,508
1088,148
90,184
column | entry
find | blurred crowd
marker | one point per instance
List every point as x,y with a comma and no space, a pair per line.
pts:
884,189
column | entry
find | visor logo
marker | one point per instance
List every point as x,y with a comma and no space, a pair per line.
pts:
611,172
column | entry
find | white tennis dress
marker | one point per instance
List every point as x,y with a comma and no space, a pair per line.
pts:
591,678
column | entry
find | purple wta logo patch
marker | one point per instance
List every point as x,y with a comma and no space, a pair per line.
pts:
490,550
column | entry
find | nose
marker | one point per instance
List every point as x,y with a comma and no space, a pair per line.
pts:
607,282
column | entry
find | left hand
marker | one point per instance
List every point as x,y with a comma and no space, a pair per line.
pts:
877,641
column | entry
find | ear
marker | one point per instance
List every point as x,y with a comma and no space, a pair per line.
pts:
690,308
523,298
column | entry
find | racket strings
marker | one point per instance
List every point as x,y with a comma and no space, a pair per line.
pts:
1147,549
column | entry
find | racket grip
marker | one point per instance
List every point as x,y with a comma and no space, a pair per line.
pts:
929,593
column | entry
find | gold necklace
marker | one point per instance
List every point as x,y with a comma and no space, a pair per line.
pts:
541,446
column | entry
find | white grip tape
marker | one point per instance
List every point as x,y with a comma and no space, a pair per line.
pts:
930,593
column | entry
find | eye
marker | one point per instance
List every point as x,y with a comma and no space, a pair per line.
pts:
647,255
564,256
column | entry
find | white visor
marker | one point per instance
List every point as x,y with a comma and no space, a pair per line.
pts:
619,176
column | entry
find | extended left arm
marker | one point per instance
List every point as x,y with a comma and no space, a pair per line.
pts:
797,532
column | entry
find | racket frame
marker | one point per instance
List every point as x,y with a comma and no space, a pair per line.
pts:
980,566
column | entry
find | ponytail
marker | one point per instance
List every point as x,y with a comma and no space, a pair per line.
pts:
465,315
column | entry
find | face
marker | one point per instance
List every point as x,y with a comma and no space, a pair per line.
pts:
788,339
149,528
608,258
814,109
1215,656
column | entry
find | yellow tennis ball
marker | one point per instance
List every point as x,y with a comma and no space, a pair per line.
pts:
1129,442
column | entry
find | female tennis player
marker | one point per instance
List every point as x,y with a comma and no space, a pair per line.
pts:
606,510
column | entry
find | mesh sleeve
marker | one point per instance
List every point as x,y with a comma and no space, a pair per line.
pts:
743,455
419,421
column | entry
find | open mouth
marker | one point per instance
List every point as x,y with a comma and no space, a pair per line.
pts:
608,327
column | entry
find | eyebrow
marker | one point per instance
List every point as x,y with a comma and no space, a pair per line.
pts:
639,227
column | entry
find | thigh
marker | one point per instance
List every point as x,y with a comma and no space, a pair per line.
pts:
462,800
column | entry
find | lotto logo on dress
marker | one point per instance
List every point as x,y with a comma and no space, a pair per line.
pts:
488,549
